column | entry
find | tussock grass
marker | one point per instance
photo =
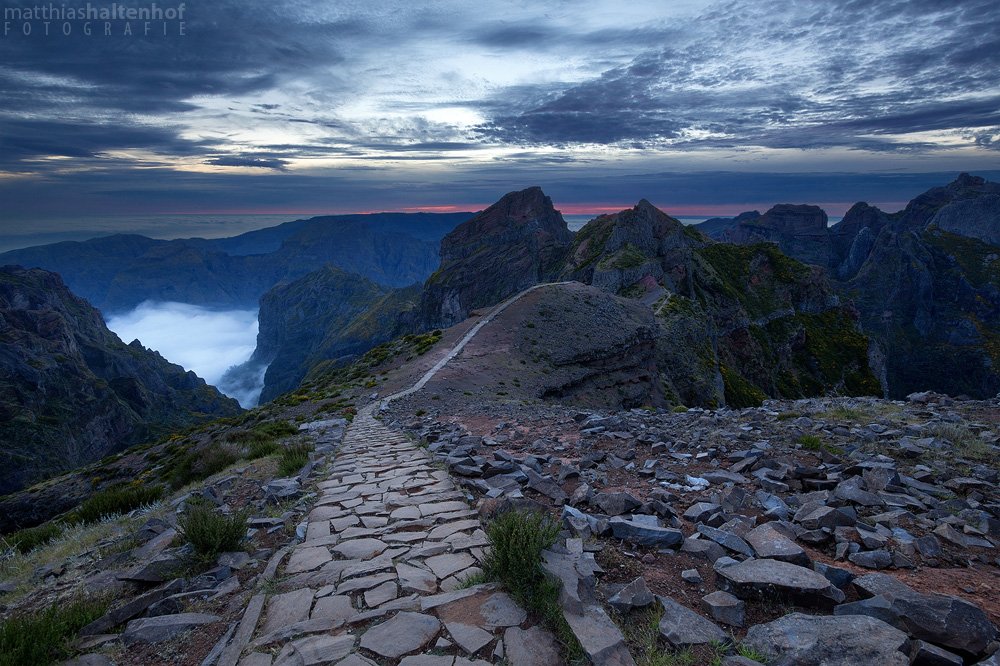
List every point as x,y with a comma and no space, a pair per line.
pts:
115,501
962,438
210,532
293,459
44,637
26,540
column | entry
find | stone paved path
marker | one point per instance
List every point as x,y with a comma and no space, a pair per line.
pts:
379,576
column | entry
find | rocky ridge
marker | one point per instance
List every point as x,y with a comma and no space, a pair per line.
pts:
72,391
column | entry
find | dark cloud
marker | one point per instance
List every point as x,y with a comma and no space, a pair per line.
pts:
249,161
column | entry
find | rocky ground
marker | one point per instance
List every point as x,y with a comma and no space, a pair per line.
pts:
869,525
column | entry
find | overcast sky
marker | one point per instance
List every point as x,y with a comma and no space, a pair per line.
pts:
298,106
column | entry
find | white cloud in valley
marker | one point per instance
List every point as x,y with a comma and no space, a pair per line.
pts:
206,341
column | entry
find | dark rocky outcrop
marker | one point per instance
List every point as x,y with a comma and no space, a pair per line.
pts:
329,315
926,281
800,231
737,323
515,243
72,392
715,227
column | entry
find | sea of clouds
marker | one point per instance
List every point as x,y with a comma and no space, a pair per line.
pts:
207,341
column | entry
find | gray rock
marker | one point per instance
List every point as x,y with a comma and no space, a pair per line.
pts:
406,632
724,608
634,595
752,578
531,647
946,621
682,627
699,512
925,654
278,490
727,540
872,559
810,640
770,543
826,516
164,627
691,576
645,535
615,504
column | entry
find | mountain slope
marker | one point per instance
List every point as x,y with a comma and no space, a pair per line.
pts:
329,315
73,392
737,323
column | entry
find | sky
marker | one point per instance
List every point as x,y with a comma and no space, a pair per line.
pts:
302,107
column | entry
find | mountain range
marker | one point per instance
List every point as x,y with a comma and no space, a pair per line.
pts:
726,313
116,273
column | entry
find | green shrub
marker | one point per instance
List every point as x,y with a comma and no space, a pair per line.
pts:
517,540
27,540
114,501
210,532
275,429
197,465
293,458
262,449
44,637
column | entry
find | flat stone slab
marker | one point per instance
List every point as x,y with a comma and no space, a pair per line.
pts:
316,650
682,627
489,610
307,559
468,637
360,549
405,633
334,607
164,627
287,608
753,577
531,647
449,563
819,640
381,594
415,579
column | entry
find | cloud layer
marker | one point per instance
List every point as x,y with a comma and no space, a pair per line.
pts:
208,342
410,95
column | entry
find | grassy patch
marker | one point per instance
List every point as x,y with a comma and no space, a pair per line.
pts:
750,653
115,501
810,442
293,459
210,532
641,629
515,561
963,439
44,637
28,539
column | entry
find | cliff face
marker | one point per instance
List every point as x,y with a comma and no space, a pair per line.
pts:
72,391
927,283
328,315
800,232
513,244
737,322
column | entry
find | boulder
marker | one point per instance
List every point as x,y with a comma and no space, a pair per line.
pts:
770,543
634,595
645,535
811,640
753,578
946,621
682,627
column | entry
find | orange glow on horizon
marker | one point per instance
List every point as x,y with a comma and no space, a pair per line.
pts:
837,208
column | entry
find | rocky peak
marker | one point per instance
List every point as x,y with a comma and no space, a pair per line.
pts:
799,230
515,243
